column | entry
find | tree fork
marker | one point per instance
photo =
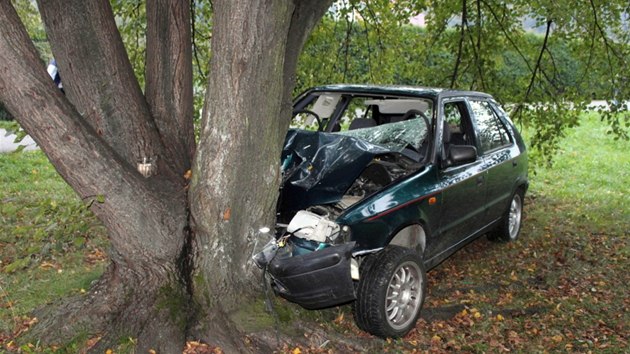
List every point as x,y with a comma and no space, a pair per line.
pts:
111,100
146,218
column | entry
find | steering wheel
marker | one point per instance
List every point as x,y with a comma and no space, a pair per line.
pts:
414,112
306,111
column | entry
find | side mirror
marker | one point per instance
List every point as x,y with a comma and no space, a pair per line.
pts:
462,154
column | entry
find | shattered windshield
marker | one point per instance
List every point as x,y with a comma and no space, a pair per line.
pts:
394,136
392,122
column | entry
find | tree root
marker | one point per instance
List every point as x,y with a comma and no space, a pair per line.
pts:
152,315
311,335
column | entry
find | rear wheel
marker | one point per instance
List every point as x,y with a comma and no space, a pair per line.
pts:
510,225
390,293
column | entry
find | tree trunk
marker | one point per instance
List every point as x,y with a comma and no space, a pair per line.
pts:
98,136
255,46
143,294
98,78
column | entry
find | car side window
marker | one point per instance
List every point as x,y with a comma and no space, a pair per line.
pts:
456,118
492,133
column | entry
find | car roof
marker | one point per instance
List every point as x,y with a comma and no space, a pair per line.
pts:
430,92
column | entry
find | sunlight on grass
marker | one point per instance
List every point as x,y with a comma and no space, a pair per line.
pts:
591,174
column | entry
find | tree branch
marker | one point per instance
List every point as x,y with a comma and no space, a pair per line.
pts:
461,44
98,77
536,68
305,16
168,89
609,48
508,37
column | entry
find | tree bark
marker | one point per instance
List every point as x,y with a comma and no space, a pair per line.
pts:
169,88
98,78
97,134
146,219
255,47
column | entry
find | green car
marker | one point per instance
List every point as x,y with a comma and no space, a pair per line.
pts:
381,184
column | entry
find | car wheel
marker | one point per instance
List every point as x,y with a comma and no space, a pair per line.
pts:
510,225
390,293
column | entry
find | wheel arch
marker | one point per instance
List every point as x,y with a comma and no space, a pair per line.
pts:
412,236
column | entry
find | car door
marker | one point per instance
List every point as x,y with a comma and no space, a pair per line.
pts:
463,186
498,154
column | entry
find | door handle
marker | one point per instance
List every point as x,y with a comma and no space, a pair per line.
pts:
480,180
514,163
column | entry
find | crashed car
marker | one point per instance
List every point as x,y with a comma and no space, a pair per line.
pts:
381,184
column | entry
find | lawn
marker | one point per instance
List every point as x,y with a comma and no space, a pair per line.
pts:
563,286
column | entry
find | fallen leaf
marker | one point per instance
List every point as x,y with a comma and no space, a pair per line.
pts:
339,319
227,214
47,265
557,338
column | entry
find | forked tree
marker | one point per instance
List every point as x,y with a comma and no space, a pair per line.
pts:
181,216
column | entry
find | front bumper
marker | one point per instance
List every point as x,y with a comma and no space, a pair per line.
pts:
317,279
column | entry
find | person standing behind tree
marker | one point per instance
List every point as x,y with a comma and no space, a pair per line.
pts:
53,71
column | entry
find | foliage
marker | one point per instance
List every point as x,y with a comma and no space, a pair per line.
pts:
546,73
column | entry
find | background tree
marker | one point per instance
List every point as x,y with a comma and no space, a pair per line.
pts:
545,60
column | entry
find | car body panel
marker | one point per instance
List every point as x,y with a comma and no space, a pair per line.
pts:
315,280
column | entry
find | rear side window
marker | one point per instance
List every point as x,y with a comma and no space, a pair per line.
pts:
491,132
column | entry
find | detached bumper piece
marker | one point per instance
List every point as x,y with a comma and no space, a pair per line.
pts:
317,279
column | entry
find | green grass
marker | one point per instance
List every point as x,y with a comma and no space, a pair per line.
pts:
590,177
562,287
9,124
50,244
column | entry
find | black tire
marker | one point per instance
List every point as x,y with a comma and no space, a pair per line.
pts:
510,225
379,308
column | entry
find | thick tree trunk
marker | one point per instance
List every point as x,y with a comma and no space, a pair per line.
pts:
98,134
255,46
143,294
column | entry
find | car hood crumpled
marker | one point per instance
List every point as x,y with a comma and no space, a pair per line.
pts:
319,167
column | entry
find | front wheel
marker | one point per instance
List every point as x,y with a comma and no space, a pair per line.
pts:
510,225
390,293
